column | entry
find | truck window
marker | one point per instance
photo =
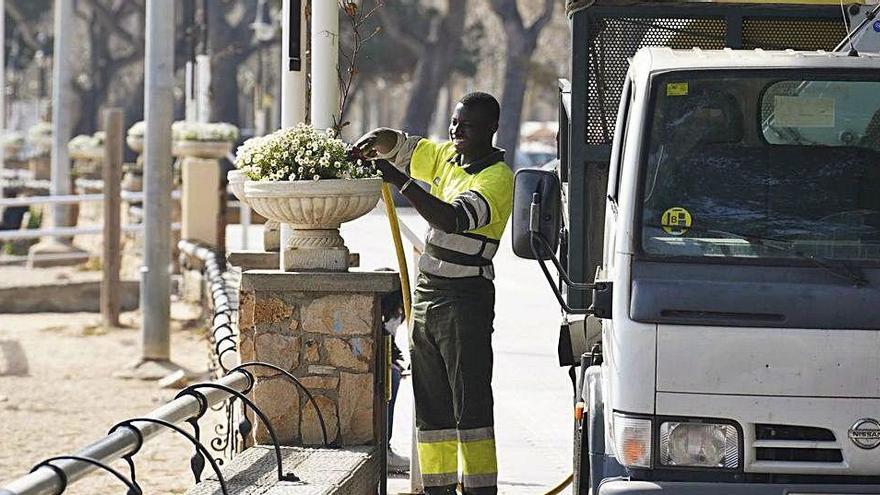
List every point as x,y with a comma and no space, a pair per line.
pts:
619,139
754,165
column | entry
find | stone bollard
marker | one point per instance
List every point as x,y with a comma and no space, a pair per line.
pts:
325,329
199,201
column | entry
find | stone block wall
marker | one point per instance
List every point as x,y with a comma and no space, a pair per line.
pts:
330,340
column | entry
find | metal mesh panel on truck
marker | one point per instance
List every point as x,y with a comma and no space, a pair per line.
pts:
616,38
795,34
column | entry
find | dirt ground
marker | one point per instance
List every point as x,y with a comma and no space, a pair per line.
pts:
58,394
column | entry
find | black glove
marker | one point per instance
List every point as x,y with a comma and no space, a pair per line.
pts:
390,173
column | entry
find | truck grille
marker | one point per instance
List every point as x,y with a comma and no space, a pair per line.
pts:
790,443
788,432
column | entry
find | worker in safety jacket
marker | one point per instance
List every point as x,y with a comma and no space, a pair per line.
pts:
453,306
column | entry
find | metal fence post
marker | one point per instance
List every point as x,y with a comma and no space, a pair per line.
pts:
158,114
112,175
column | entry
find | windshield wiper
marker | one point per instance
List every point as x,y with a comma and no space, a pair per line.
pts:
836,268
833,267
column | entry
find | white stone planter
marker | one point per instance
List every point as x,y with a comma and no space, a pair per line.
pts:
202,149
96,153
314,210
136,143
236,181
271,229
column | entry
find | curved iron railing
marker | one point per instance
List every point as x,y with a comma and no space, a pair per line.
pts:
53,475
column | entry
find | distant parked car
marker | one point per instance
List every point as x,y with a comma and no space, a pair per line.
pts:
533,155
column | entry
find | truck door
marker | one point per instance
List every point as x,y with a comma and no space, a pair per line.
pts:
611,200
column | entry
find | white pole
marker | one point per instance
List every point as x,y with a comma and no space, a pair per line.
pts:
203,88
158,108
293,82
325,63
2,90
62,103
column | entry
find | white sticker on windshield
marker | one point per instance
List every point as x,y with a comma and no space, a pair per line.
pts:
800,111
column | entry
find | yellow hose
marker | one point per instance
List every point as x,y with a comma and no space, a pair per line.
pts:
561,486
391,213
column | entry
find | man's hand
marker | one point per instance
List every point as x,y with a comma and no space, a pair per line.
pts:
363,147
390,173
380,140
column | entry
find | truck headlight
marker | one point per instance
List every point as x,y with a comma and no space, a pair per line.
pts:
632,440
699,444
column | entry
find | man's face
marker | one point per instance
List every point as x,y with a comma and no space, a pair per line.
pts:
470,130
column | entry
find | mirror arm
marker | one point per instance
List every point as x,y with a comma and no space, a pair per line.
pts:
562,273
559,298
535,231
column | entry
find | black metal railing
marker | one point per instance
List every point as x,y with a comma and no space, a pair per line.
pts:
53,475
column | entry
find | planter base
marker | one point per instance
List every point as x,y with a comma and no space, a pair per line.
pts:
311,260
272,236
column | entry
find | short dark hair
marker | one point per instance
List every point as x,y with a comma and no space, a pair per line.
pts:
484,102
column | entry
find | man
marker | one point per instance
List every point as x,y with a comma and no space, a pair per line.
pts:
467,209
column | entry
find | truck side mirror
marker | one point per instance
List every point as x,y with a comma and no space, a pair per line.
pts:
536,213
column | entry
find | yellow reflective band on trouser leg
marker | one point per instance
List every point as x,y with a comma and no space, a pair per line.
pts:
438,457
479,464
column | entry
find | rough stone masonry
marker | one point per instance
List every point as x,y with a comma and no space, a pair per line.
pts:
325,329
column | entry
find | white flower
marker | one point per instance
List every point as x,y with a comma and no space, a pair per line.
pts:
298,153
137,129
197,131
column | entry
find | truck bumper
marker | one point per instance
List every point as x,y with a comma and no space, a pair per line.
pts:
625,487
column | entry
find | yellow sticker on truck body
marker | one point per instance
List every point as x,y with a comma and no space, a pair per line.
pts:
676,221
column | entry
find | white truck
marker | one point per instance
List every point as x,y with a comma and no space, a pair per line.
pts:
733,342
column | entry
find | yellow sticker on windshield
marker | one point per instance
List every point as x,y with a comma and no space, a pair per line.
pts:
676,221
677,89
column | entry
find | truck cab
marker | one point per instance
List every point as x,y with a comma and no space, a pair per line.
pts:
733,341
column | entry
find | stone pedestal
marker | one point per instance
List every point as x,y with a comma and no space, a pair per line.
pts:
272,236
41,167
253,260
325,328
52,252
199,202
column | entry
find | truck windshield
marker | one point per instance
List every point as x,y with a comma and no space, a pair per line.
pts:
757,166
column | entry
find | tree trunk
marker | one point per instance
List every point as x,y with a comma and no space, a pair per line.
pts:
521,43
224,91
434,67
520,47
230,46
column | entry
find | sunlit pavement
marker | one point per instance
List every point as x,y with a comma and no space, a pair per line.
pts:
532,393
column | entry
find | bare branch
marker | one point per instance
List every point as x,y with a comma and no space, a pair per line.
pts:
27,35
356,18
543,19
108,20
509,13
411,43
